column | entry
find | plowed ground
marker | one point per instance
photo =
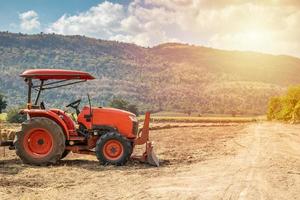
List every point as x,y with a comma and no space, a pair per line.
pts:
242,161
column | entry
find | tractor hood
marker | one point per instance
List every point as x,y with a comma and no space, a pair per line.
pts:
114,110
104,110
125,122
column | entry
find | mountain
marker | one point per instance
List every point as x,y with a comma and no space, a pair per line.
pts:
171,76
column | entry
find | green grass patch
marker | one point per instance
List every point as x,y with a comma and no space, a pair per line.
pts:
3,117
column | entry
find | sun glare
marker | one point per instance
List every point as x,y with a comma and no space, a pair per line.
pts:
255,40
253,36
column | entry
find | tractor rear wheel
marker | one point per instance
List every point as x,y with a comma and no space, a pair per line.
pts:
113,148
41,142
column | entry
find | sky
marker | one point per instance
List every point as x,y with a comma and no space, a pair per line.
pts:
268,26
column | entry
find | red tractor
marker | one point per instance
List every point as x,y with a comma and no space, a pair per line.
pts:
49,135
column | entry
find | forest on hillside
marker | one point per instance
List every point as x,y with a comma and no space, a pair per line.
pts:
168,77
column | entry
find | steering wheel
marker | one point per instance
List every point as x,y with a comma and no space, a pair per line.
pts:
75,105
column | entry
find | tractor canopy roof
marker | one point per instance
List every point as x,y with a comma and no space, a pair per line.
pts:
57,74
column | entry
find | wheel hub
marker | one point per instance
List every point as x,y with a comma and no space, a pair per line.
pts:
113,150
38,142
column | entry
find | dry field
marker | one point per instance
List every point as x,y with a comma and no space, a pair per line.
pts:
198,161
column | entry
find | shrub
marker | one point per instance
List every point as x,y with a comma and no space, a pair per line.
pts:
3,117
286,107
124,105
13,116
119,103
133,108
273,108
3,103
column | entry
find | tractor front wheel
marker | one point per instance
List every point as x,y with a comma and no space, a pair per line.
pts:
113,148
41,142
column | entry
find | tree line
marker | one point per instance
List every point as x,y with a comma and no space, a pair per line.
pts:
285,107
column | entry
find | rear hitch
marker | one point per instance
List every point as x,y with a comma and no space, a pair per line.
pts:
8,143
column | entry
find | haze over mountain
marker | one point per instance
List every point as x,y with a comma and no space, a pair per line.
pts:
170,76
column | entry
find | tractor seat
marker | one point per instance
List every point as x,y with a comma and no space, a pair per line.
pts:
41,106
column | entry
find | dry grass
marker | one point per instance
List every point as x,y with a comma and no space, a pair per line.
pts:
162,119
177,117
8,131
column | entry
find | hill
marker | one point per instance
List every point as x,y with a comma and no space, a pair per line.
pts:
174,77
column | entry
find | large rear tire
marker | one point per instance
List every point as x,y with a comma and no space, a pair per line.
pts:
41,142
113,148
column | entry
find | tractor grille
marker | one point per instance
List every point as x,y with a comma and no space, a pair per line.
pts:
135,127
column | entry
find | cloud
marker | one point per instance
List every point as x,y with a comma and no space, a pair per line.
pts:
115,22
267,26
101,21
29,20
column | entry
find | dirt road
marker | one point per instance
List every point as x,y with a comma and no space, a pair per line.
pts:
252,161
267,166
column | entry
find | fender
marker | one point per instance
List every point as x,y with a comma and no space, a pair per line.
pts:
67,120
48,114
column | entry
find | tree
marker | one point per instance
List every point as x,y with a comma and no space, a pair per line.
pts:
134,109
124,105
3,103
273,108
119,103
286,107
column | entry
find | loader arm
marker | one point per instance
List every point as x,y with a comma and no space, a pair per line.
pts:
143,135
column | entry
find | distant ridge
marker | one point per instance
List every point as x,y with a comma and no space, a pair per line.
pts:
169,76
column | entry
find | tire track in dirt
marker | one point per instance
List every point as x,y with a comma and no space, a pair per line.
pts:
258,171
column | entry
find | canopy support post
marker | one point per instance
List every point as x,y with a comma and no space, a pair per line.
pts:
39,93
29,93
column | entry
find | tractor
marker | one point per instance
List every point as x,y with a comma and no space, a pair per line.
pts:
49,135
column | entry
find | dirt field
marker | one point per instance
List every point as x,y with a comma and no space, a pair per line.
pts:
249,161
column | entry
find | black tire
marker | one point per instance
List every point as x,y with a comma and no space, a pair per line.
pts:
57,147
124,156
132,145
65,153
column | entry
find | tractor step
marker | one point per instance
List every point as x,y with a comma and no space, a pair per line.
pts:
77,138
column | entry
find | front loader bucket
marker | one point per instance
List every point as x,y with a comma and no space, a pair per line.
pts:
151,156
148,156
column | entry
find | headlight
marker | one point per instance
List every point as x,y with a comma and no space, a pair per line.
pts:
133,118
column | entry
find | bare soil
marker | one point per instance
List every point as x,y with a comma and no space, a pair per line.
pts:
246,161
